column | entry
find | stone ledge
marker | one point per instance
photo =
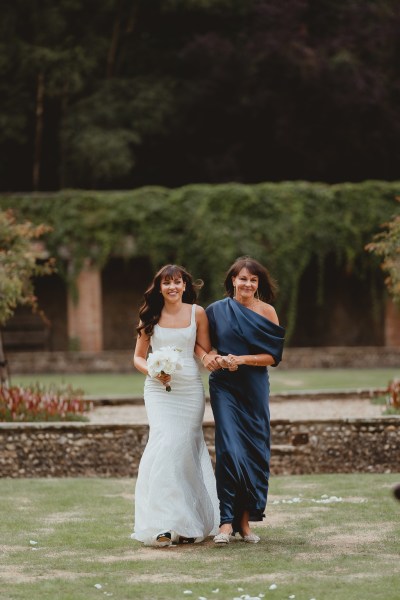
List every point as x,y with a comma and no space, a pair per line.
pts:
73,449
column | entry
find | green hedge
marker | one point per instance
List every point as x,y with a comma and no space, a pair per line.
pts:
205,227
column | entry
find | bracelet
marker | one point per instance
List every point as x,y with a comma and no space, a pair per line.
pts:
202,358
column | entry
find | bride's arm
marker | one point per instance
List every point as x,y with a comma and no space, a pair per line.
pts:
141,350
140,362
203,348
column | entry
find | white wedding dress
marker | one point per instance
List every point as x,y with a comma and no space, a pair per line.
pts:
175,489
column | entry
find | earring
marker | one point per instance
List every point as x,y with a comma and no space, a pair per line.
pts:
234,291
256,295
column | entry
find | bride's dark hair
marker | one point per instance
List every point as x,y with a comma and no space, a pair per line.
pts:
266,284
150,311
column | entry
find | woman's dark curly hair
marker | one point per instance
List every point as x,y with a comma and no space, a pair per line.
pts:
150,311
267,287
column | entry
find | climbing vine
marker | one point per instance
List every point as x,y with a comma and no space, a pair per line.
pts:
205,227
386,244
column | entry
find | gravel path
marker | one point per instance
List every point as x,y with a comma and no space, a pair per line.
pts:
287,409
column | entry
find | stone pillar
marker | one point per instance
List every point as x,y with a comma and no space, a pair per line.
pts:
392,324
85,319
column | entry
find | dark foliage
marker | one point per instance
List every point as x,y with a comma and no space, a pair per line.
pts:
124,93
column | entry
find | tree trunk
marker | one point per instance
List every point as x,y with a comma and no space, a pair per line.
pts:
112,60
37,154
4,375
64,107
112,52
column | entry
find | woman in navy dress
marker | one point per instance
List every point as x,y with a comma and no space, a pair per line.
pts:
246,334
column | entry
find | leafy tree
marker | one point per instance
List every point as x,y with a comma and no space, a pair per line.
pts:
125,93
387,246
22,257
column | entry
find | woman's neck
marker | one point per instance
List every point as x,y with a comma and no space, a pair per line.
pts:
247,302
172,308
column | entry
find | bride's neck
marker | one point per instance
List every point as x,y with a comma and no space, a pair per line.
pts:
172,308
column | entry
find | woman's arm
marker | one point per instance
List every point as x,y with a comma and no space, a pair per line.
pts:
232,362
140,355
254,360
141,350
203,349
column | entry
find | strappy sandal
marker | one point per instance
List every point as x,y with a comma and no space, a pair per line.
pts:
163,539
252,538
222,539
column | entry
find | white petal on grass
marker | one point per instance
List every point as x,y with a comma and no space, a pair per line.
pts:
33,548
240,590
215,591
292,596
273,586
188,592
33,543
261,595
327,500
98,586
201,598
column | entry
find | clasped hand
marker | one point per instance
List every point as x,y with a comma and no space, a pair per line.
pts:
230,362
214,362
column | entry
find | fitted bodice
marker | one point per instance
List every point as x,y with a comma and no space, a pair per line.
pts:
183,338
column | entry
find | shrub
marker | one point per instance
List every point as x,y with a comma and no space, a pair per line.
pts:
38,403
394,393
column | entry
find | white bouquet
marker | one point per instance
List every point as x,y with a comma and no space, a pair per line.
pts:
164,361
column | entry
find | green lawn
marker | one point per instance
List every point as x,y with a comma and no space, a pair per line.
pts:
281,380
332,550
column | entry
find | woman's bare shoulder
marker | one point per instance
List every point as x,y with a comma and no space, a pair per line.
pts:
268,311
200,313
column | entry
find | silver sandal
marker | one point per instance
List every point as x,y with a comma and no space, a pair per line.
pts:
223,538
252,538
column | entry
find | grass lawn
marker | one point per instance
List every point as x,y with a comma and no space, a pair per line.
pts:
333,550
281,380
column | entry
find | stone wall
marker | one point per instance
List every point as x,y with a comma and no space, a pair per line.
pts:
120,361
299,447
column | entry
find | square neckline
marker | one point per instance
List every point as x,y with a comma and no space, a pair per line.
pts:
180,328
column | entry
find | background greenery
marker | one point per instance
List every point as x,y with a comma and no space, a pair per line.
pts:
289,226
344,550
124,93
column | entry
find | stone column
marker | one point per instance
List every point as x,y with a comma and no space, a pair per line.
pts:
392,324
85,319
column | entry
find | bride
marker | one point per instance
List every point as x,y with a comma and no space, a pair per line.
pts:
175,496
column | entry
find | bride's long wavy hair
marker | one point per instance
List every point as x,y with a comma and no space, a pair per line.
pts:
150,311
267,286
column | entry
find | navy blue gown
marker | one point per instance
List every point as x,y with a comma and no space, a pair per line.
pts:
240,403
